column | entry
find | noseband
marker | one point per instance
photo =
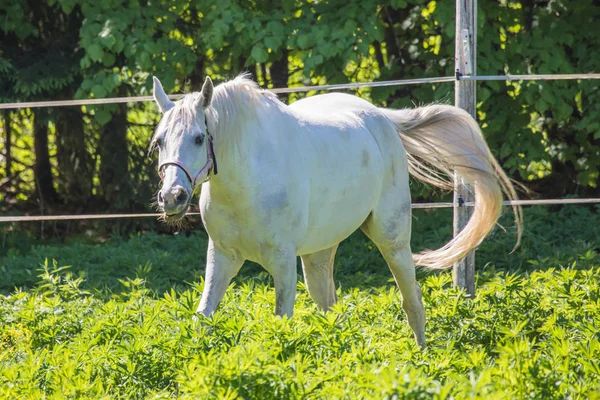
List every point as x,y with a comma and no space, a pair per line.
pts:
209,167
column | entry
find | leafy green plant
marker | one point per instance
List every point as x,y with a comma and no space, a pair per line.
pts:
119,322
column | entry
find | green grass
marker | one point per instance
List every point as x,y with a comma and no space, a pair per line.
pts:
118,321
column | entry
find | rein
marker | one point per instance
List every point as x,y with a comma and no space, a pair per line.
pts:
209,168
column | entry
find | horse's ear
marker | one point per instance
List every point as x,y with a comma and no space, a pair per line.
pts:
161,98
207,92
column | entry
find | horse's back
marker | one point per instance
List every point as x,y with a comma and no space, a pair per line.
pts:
334,104
340,110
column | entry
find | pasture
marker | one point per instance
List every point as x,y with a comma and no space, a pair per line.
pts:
115,319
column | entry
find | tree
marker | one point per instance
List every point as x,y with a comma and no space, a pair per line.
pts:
38,62
43,169
545,133
73,158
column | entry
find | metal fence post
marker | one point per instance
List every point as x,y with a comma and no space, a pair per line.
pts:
464,97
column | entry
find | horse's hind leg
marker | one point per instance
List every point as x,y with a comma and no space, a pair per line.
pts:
318,276
401,264
389,227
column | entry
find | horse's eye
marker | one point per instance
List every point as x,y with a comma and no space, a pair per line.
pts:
199,140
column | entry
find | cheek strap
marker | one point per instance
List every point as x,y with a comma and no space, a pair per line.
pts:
210,166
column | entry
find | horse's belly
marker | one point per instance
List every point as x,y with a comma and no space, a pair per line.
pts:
333,225
341,198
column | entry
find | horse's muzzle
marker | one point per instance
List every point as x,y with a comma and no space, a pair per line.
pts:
173,201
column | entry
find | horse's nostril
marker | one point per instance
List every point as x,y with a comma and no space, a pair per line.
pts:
182,196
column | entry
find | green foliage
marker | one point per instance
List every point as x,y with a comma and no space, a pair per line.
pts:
544,133
540,128
117,320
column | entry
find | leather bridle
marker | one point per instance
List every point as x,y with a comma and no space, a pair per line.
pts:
209,168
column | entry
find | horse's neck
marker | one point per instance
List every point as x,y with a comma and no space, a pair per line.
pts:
235,150
244,144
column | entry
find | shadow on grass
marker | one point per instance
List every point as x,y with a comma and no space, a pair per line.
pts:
566,237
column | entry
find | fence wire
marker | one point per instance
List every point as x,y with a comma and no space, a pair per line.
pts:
116,100
539,77
38,218
344,86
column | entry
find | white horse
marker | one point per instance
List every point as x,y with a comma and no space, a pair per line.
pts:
297,180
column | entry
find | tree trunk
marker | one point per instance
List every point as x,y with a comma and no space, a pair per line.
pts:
397,53
7,144
379,55
74,161
114,156
391,18
250,68
280,74
42,168
197,78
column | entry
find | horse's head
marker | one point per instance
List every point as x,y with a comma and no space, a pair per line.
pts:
186,156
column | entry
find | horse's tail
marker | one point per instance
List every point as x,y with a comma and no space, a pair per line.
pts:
440,140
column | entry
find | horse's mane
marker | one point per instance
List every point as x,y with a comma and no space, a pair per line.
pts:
239,101
242,91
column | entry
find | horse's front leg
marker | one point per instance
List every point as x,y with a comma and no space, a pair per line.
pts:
282,266
221,267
